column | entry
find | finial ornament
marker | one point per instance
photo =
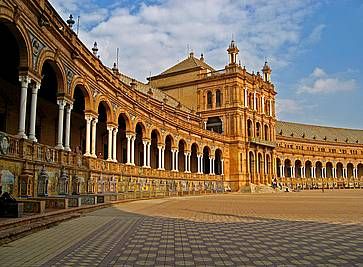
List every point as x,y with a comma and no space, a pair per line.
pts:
70,21
95,49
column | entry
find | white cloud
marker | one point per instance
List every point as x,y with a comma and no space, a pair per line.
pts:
316,33
154,36
288,106
319,82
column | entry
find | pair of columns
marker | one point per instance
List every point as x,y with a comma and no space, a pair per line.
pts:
130,155
91,123
174,160
112,143
63,106
25,81
211,166
147,158
66,107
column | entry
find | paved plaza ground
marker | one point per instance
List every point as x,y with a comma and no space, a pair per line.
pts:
304,228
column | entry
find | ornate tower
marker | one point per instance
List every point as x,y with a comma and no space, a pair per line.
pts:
233,52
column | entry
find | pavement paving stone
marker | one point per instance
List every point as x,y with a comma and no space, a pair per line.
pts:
222,230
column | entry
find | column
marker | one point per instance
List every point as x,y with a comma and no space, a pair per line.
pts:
222,166
172,160
176,160
292,169
201,164
246,98
281,170
270,111
198,163
160,158
334,174
93,138
33,112
254,101
88,119
148,154
61,103
145,154
114,144
163,158
263,105
67,136
132,150
186,162
210,166
109,143
24,80
128,148
213,166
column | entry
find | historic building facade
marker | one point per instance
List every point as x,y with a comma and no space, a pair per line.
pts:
69,124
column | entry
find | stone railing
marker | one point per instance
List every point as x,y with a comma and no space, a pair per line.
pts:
14,147
99,165
316,183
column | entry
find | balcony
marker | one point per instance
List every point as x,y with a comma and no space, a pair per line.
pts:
261,142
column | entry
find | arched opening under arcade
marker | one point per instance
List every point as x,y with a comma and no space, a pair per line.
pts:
181,156
139,146
251,165
14,58
350,168
206,160
168,154
308,165
360,170
329,170
78,122
318,169
278,167
298,166
194,158
121,139
339,170
154,153
288,166
46,124
101,131
218,162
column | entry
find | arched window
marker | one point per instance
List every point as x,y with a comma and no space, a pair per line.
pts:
209,99
266,133
218,98
249,128
258,129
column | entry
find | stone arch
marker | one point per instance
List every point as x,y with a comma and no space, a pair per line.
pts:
20,33
218,156
108,106
125,116
88,97
49,56
140,135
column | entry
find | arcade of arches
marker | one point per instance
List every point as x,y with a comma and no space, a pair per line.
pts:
70,125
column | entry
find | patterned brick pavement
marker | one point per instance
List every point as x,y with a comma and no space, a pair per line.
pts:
306,229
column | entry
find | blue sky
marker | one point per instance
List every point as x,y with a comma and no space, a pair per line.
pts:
314,48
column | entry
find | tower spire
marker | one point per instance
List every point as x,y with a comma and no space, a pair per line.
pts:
233,52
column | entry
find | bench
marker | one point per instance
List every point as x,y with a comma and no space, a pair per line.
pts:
32,205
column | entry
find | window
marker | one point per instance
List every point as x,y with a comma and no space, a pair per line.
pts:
218,98
249,128
258,130
209,99
214,124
